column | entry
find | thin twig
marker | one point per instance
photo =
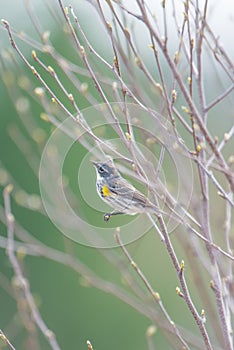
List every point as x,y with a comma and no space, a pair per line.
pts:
155,295
6,340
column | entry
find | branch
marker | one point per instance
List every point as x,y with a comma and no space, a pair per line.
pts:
23,283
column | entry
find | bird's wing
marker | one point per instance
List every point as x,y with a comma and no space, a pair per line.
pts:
128,191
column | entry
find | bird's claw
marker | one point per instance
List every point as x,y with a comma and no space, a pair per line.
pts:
107,217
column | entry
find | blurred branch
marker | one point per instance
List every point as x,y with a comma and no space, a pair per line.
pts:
23,283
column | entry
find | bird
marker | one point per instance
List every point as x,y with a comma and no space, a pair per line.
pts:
118,193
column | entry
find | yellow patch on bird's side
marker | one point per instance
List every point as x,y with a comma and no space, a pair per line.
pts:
105,191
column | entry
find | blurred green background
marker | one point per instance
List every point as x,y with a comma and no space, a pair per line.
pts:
73,310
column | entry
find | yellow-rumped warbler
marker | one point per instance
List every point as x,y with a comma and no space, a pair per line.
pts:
123,197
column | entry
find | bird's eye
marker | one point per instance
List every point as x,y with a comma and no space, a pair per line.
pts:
101,170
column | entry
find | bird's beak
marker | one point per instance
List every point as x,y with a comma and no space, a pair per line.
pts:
94,163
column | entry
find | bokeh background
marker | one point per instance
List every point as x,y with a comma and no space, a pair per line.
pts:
73,309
